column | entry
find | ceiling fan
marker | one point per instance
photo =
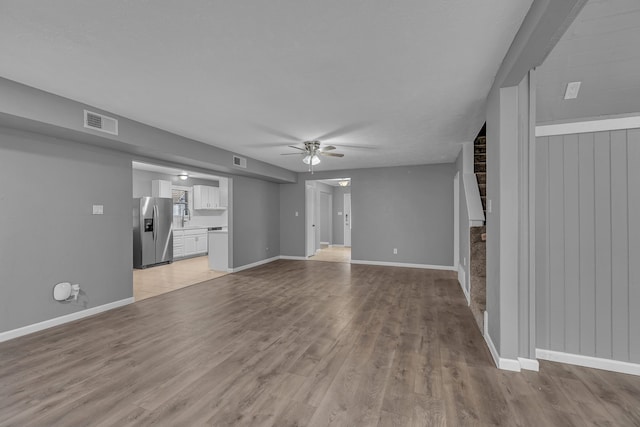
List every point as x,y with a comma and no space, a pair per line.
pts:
312,152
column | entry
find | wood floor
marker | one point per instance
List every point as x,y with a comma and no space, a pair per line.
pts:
161,279
296,343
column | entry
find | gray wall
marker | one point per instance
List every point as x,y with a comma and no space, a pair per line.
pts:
588,244
49,234
338,220
326,229
25,107
409,208
256,220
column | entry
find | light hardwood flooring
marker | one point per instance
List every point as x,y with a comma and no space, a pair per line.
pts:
296,343
332,254
158,280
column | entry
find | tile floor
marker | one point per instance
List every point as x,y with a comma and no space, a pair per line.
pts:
153,281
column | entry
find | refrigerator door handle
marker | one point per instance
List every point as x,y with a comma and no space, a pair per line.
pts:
155,219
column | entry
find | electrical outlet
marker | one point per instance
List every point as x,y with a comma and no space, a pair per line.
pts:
296,213
395,251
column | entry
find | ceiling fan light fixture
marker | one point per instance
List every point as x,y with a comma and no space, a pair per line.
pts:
311,159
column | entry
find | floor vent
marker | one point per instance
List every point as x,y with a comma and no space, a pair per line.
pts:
100,123
240,162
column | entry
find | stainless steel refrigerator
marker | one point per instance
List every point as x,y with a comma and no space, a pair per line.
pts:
152,231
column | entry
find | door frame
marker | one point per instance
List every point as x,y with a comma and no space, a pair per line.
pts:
348,220
310,213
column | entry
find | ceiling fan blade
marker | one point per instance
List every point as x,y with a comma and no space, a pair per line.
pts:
292,154
328,148
357,147
332,154
297,148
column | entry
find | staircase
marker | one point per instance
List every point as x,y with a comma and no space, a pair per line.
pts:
478,237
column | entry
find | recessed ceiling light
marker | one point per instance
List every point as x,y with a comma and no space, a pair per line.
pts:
572,90
183,176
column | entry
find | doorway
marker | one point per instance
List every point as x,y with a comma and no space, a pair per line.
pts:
196,204
326,216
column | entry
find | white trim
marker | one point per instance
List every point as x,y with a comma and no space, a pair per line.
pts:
462,278
529,364
407,265
336,246
56,321
253,264
476,223
324,243
501,363
294,258
589,126
588,361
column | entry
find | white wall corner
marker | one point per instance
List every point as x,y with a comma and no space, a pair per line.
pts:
36,327
500,362
462,279
529,364
589,362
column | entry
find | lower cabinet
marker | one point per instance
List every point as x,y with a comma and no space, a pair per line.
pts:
189,242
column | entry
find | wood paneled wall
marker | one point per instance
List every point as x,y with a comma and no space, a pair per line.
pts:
588,244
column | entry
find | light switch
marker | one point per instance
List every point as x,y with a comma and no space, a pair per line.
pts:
296,213
339,213
98,209
488,205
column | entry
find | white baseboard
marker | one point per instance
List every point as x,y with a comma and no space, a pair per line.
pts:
336,246
407,265
29,329
325,243
462,278
588,361
294,258
529,364
501,363
253,264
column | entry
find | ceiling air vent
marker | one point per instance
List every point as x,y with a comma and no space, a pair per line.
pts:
240,162
100,123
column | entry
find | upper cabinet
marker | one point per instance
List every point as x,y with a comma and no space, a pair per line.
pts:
207,197
160,188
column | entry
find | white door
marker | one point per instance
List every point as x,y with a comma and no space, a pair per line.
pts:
347,219
310,208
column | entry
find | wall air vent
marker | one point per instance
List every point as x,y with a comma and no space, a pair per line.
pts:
240,161
100,123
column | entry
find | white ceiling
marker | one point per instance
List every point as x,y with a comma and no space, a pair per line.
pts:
408,78
602,50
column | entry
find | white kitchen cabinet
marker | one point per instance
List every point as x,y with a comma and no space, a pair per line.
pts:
195,241
178,243
206,197
201,243
160,188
